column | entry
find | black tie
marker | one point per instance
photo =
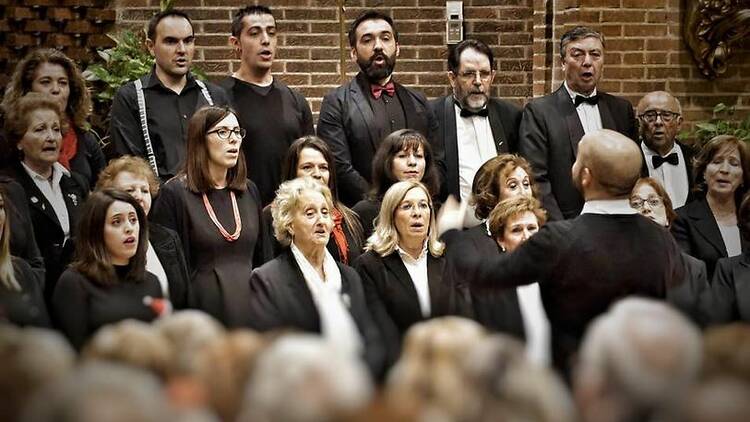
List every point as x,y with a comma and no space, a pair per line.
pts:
672,159
593,100
468,113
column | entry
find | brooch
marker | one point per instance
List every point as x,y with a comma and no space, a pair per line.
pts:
73,199
34,199
347,300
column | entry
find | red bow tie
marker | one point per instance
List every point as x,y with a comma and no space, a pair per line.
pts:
377,90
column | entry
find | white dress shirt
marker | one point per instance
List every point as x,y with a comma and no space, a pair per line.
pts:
608,207
672,177
417,269
535,323
51,190
589,115
153,265
475,147
731,237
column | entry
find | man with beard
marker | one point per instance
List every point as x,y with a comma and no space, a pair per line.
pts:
259,98
586,263
356,116
667,161
150,115
552,126
473,127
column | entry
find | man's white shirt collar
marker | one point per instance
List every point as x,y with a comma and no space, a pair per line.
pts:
608,207
573,94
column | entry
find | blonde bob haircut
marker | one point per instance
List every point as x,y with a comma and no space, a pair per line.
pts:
384,238
288,201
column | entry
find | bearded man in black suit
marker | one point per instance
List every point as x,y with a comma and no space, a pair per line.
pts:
356,116
585,264
552,126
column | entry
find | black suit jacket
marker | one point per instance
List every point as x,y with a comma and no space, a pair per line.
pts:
504,121
57,253
580,279
347,124
548,137
688,154
729,295
168,249
279,298
393,300
22,241
697,232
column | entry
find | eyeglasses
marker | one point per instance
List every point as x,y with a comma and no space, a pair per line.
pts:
469,75
666,116
652,201
224,132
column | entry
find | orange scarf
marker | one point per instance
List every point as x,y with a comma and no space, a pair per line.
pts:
339,237
69,147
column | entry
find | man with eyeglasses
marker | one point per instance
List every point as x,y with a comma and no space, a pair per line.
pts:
553,125
273,114
474,127
150,115
355,117
668,161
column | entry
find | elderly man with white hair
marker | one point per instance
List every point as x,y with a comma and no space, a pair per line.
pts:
636,359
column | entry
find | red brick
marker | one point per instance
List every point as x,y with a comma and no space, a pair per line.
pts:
645,30
622,16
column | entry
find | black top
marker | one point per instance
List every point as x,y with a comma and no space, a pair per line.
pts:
22,241
167,114
89,159
81,306
729,296
273,117
168,249
218,268
367,210
24,307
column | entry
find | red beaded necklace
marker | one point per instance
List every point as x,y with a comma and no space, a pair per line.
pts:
237,220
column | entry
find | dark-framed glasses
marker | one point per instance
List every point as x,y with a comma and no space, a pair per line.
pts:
224,133
470,75
666,116
652,201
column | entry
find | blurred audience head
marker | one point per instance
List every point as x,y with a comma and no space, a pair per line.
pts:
499,178
403,155
302,378
31,358
726,351
636,359
188,331
651,200
722,399
514,220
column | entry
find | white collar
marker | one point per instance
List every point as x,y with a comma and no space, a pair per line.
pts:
608,207
58,170
406,255
649,152
573,94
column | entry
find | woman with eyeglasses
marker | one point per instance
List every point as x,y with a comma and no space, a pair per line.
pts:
216,211
706,228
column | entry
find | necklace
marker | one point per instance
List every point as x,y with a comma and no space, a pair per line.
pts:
237,220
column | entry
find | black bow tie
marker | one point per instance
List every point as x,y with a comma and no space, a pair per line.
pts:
658,160
593,100
468,113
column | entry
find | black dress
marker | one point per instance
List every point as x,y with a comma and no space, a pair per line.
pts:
81,306
24,307
218,269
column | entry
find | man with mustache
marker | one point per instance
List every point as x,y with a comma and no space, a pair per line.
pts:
473,126
668,161
150,115
259,99
552,126
356,116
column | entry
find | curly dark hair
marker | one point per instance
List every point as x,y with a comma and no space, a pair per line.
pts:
485,189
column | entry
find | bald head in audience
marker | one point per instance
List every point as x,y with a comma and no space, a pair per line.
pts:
607,165
635,360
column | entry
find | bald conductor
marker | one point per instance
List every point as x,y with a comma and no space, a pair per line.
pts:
584,264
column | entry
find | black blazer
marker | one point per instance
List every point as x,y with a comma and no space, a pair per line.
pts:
89,159
729,296
697,232
168,249
57,253
22,241
279,298
578,278
498,309
392,297
346,123
687,153
548,137
504,118
25,307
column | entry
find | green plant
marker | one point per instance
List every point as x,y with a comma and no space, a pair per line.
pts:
724,122
126,61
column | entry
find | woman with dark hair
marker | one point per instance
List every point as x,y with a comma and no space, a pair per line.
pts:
164,257
34,127
108,281
216,212
502,177
21,298
51,72
310,156
403,155
404,270
729,297
706,228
